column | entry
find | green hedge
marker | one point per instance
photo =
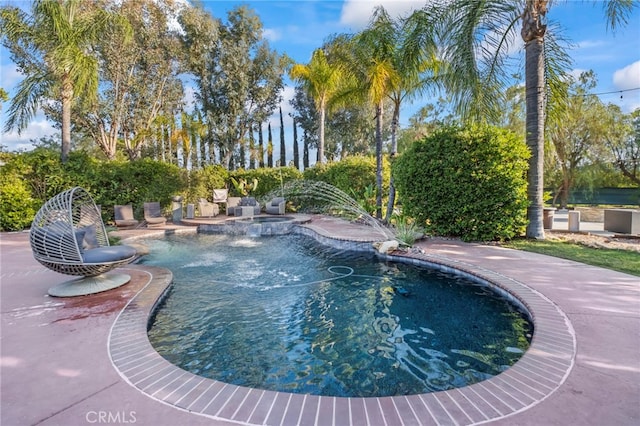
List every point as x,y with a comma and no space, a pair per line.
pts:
136,182
31,178
202,182
466,182
18,207
356,176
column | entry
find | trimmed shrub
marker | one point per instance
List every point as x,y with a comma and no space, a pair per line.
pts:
18,208
203,181
355,176
109,183
466,182
124,182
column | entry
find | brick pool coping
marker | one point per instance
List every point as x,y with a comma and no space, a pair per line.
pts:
540,371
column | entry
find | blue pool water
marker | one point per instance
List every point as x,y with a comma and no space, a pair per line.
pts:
287,314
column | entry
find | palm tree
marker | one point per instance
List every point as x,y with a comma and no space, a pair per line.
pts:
321,80
412,54
372,76
478,36
52,48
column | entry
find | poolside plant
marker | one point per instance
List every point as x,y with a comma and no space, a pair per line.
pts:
244,187
407,231
467,182
367,199
271,179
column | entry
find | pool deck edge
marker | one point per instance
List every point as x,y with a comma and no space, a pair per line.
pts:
591,350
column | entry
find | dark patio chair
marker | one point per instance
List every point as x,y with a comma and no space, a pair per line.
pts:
276,206
124,216
153,215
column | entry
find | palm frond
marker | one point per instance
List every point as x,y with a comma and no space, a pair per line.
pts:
476,50
618,12
558,63
31,91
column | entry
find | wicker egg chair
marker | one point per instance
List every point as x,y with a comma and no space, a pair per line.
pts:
69,237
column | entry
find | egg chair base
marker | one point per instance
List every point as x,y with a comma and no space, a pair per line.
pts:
89,285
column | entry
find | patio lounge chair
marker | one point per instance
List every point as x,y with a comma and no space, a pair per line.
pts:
232,203
124,216
220,195
207,209
153,214
276,206
68,236
242,209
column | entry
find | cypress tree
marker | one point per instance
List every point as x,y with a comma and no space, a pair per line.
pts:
283,148
296,154
269,147
305,151
252,148
260,148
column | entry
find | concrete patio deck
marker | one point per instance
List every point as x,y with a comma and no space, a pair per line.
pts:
56,367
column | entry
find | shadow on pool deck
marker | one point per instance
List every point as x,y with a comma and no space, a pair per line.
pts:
55,368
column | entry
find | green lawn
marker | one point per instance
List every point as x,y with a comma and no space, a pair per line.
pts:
619,260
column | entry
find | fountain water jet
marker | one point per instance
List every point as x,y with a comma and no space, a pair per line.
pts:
333,201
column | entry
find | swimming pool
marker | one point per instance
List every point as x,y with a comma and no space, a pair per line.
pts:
287,314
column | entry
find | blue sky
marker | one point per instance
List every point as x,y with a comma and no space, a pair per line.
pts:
298,27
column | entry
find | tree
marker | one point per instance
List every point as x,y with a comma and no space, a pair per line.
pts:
477,38
260,147
252,149
296,154
372,77
239,79
197,130
321,80
283,148
623,139
412,54
269,147
199,40
307,117
349,131
140,63
577,132
182,138
52,48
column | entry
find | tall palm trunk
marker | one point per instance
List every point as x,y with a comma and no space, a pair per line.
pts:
321,135
394,149
379,111
533,31
66,98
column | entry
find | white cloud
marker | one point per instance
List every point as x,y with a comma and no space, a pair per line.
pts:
38,127
10,76
627,77
590,44
357,13
272,34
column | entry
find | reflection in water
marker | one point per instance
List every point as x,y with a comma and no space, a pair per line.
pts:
284,313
